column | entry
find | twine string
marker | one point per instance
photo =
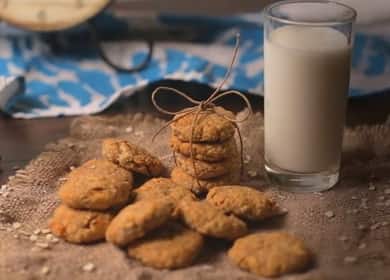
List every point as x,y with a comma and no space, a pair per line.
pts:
200,106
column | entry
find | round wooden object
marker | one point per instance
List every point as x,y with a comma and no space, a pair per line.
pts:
49,15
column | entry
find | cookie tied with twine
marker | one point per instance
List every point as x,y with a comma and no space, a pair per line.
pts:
206,106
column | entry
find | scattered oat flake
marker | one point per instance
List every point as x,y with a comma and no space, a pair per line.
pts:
49,236
387,191
16,236
72,168
37,231
54,240
362,246
33,237
42,245
343,238
45,231
362,227
5,194
354,197
387,203
252,173
350,259
16,225
375,226
381,198
129,129
371,187
45,270
384,224
355,211
329,214
88,267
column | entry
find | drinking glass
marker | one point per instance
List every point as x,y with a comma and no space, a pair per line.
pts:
307,61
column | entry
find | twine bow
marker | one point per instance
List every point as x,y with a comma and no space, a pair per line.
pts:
204,106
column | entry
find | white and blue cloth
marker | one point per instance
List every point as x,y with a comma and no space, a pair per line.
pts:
79,82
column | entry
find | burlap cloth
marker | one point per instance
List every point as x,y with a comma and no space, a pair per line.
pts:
360,203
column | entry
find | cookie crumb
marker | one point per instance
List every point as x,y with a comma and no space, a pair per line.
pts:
129,129
350,259
72,167
45,270
16,225
88,267
329,214
362,246
252,173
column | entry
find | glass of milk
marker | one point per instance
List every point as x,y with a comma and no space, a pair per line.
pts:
307,57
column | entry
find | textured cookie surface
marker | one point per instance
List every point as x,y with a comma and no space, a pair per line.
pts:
137,219
171,246
163,188
205,151
97,185
244,202
79,226
131,157
203,169
208,220
270,254
210,127
189,182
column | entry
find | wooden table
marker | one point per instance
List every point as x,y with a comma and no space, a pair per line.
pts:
22,140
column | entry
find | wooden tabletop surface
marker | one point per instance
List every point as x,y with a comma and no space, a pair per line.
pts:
22,140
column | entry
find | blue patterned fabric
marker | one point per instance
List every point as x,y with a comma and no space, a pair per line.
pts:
79,82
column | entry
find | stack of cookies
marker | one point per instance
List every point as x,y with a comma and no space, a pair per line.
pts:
93,192
215,160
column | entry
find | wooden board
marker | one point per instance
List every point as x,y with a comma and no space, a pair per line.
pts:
49,15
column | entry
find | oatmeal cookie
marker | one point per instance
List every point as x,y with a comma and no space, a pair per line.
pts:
244,202
270,254
210,127
208,220
137,219
205,170
189,182
96,185
131,157
159,188
205,151
79,226
171,246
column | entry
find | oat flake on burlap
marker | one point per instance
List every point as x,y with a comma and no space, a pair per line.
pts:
361,216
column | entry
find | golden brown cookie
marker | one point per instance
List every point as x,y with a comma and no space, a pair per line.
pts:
270,254
97,185
210,127
171,246
79,226
131,157
208,220
211,152
160,188
244,202
189,182
137,219
205,170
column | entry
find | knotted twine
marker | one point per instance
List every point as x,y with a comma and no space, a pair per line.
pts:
207,105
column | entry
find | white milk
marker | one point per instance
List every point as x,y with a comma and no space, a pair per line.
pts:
306,83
